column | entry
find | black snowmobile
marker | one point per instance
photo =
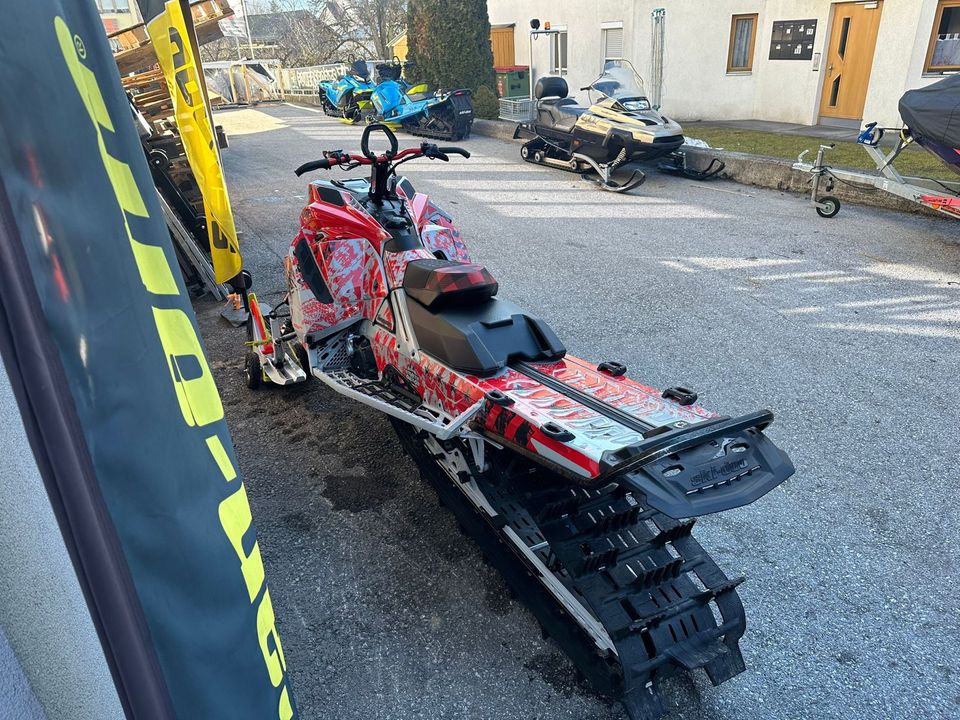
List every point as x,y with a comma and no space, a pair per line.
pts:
619,128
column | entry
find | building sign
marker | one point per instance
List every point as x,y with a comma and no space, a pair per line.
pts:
793,39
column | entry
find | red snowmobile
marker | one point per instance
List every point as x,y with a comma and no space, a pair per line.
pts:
579,484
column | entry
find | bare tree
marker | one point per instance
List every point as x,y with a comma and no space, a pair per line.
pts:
369,24
285,30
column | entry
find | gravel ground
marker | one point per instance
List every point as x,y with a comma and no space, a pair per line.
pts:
847,328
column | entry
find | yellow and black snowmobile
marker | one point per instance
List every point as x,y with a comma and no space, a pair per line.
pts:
619,127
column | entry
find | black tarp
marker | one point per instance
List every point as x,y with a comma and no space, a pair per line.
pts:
933,112
102,348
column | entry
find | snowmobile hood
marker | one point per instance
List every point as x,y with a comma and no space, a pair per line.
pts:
648,121
642,124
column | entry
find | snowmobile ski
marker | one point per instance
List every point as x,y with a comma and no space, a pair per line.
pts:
676,164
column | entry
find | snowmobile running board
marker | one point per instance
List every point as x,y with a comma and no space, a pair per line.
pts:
395,403
536,151
676,164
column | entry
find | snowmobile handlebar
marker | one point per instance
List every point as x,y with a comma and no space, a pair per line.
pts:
392,157
450,150
365,140
322,164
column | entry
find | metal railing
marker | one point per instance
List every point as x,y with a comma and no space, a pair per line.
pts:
305,81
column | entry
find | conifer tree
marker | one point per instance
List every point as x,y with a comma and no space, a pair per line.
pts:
449,41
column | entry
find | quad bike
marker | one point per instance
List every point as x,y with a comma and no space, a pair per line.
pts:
443,115
348,98
579,484
619,129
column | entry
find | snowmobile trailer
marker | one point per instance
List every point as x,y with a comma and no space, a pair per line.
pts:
932,117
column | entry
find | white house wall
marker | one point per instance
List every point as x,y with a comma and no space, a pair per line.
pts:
695,82
902,43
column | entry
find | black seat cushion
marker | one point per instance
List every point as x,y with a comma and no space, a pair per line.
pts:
440,283
482,338
560,114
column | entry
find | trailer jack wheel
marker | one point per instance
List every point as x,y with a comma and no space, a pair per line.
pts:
253,371
827,206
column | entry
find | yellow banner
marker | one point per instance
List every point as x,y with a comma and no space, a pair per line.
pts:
175,52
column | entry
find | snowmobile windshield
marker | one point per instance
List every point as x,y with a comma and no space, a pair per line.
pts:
620,82
360,69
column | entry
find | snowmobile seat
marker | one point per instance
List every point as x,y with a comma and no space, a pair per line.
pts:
554,108
561,114
440,283
483,337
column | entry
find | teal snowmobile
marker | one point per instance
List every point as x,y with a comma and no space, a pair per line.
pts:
444,114
349,96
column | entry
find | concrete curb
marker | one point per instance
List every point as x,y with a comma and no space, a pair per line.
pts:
499,129
778,174
756,170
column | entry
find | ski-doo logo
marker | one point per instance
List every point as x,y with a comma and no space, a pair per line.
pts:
713,475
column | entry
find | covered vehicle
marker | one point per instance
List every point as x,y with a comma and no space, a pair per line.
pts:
933,116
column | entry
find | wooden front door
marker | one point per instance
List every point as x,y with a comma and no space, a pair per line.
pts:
853,39
501,39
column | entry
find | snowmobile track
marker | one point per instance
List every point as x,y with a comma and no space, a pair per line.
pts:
626,591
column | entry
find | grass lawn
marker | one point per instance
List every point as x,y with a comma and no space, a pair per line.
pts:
913,161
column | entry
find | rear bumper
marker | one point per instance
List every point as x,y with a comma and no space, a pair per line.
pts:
704,468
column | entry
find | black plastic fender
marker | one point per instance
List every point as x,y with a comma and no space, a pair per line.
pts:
704,468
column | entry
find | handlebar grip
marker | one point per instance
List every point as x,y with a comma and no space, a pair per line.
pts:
453,151
321,164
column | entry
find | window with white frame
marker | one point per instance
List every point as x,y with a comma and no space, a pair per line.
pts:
558,63
612,41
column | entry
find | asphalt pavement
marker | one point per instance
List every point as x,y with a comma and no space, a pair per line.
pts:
847,328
